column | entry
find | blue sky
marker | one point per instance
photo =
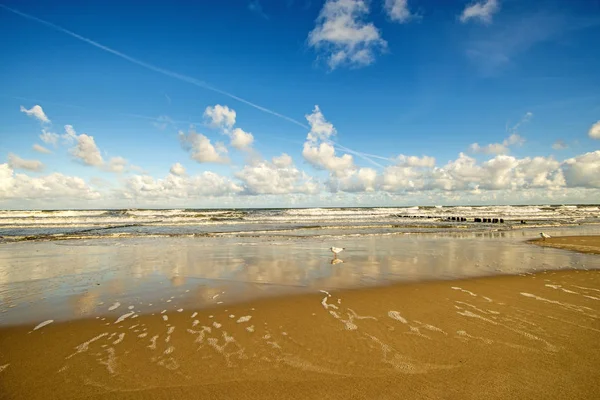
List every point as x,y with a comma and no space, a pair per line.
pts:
419,102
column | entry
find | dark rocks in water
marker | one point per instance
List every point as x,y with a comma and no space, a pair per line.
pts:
501,220
495,220
477,220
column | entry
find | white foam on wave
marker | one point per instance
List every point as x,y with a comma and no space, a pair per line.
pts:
43,324
131,307
114,306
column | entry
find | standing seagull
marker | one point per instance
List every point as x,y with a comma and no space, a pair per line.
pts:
336,250
545,236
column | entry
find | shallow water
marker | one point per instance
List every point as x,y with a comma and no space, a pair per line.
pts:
61,280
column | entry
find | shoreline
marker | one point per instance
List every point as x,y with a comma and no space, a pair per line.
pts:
589,244
425,339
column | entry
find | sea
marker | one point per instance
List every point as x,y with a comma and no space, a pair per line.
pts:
281,223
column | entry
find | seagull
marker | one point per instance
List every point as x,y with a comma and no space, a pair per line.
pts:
545,236
336,250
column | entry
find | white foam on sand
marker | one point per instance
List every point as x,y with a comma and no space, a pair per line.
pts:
165,318
153,340
114,306
180,310
217,325
396,315
124,317
170,330
245,318
464,291
196,322
83,347
194,314
3,367
43,324
250,328
120,338
143,335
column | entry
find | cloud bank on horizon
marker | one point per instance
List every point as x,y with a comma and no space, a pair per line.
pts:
354,148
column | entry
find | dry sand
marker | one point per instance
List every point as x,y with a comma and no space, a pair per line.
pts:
582,244
528,336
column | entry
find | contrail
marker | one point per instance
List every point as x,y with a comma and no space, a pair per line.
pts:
151,67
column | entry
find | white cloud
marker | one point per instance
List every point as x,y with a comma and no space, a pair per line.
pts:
40,149
207,184
594,131
482,11
177,169
36,112
23,187
323,157
16,162
414,161
343,37
116,164
319,152
583,170
240,139
277,177
361,180
560,145
201,149
220,116
498,148
398,10
70,135
49,137
320,128
86,151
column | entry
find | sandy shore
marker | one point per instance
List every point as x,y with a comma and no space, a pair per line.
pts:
533,336
582,244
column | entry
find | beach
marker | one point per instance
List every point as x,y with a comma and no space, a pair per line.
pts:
459,315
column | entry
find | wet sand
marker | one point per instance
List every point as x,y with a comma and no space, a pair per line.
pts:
401,317
582,244
532,336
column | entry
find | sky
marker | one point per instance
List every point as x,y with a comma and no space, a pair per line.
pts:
298,103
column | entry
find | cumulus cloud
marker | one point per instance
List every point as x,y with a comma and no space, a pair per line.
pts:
23,187
583,170
498,148
207,184
323,156
116,164
355,181
49,137
36,112
201,149
342,35
177,169
16,162
398,11
86,151
560,145
414,161
481,11
280,176
594,131
320,128
240,139
319,152
220,116
70,135
40,149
